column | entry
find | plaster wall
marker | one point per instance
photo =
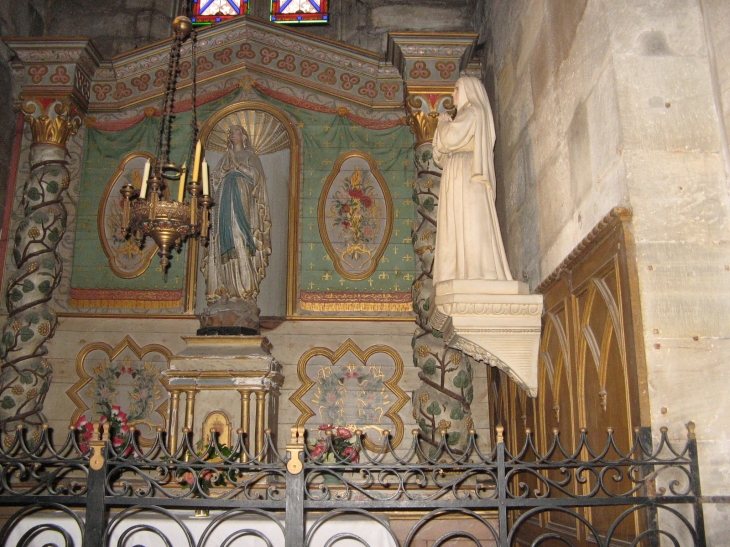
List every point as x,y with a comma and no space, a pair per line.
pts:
290,341
602,104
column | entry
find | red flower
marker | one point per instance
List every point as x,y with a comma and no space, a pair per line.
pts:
317,450
345,208
367,201
356,194
344,433
351,453
346,225
326,427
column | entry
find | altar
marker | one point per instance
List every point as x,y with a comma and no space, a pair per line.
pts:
154,527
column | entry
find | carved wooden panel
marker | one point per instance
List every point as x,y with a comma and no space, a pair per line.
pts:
590,368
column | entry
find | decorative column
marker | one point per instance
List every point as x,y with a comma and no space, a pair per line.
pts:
53,80
26,375
430,66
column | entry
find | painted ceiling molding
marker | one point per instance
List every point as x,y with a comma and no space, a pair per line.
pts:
262,50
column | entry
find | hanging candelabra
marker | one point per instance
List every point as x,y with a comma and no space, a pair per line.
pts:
151,210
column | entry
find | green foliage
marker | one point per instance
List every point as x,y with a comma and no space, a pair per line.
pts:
48,263
26,333
426,304
39,217
429,204
462,379
54,235
17,256
8,339
7,402
453,438
33,318
429,367
26,377
15,295
44,287
469,395
423,425
33,194
28,285
434,409
456,413
52,187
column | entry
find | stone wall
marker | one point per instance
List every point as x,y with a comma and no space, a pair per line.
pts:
600,104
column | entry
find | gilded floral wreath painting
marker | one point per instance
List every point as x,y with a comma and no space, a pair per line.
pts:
355,215
352,388
126,376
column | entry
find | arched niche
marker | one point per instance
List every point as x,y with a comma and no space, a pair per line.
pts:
278,145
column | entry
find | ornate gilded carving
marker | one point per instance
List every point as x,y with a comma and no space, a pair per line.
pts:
422,114
51,121
26,374
349,388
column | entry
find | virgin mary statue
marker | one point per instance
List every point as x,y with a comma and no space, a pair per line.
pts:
468,239
240,242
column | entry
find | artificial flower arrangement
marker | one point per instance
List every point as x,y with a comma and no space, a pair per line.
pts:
341,448
209,477
119,431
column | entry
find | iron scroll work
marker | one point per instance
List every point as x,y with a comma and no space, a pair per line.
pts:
657,485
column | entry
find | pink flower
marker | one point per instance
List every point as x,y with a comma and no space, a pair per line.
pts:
205,474
125,428
188,478
344,433
116,409
122,416
331,398
345,208
351,453
326,427
367,231
117,442
317,450
81,422
346,225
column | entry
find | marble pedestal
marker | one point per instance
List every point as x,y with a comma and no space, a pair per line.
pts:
214,371
497,322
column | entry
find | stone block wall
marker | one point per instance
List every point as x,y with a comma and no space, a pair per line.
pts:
604,104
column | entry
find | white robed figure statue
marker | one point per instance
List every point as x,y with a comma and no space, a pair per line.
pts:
468,240
240,243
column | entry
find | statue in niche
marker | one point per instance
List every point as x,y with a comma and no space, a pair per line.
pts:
240,243
468,240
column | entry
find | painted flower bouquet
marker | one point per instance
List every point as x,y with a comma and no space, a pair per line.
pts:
338,448
119,432
210,476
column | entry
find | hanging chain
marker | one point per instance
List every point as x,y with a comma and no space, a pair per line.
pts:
165,135
194,118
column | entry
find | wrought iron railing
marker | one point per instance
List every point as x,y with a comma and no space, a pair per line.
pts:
115,495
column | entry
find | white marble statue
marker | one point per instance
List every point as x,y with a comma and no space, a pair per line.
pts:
468,240
240,242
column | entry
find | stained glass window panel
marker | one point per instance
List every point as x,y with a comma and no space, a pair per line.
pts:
300,11
215,11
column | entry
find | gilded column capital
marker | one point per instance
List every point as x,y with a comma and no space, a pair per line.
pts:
422,111
52,121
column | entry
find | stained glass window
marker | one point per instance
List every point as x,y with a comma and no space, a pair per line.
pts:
206,12
300,11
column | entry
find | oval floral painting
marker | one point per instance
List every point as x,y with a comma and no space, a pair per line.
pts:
125,257
355,215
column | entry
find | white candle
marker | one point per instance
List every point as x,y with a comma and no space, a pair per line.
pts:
145,176
205,178
181,191
196,162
